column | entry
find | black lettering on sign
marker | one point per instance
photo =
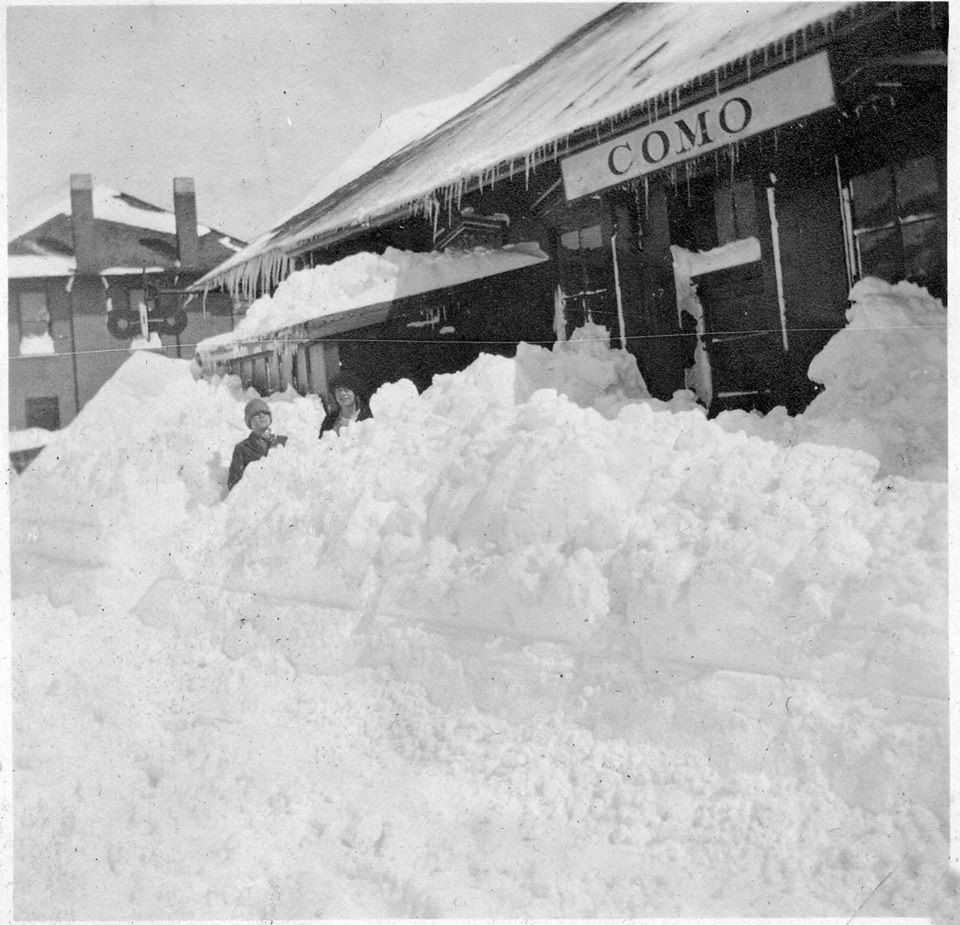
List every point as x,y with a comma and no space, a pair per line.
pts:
746,115
664,142
690,134
627,161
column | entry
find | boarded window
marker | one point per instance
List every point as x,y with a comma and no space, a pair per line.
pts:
43,412
736,211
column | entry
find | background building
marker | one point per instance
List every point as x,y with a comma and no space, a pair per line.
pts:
79,279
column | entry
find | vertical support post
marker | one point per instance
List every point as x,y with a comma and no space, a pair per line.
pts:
777,266
616,284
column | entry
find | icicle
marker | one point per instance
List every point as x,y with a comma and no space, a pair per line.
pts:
716,75
687,170
559,316
646,196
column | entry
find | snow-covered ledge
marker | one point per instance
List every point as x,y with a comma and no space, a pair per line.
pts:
37,345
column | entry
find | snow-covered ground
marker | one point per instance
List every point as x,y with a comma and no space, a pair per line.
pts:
531,644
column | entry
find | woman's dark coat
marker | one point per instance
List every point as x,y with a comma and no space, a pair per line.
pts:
331,419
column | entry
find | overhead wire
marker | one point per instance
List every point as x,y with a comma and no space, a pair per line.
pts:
267,344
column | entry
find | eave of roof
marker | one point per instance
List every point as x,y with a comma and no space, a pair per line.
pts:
633,58
362,281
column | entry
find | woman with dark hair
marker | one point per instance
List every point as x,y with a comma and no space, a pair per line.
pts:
351,401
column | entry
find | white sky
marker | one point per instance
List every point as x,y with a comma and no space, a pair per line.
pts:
252,101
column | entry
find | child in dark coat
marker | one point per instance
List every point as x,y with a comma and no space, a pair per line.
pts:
258,418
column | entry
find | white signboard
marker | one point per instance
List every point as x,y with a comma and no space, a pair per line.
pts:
787,94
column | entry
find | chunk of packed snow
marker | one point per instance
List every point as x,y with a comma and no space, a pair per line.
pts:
696,263
413,669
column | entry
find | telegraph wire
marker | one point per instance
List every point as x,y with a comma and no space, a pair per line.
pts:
268,344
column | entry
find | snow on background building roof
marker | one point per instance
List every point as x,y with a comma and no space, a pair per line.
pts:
110,205
23,266
26,265
368,279
633,55
528,616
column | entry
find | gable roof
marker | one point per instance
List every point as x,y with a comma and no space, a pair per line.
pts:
634,56
131,233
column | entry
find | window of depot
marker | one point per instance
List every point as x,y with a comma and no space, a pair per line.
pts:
582,239
34,315
897,223
43,412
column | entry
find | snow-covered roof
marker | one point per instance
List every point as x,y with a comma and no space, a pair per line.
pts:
145,240
632,56
20,266
23,266
395,133
110,205
367,279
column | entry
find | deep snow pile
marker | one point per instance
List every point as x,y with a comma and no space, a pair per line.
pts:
885,378
146,453
530,644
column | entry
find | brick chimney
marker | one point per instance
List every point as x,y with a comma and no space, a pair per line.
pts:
185,210
82,222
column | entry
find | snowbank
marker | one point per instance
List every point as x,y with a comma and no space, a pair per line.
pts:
528,644
129,471
885,379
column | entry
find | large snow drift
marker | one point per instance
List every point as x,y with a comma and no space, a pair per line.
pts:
529,644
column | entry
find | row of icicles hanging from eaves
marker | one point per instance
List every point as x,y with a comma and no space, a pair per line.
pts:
449,196
267,270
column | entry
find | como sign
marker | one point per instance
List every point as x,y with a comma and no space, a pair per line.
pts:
787,94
